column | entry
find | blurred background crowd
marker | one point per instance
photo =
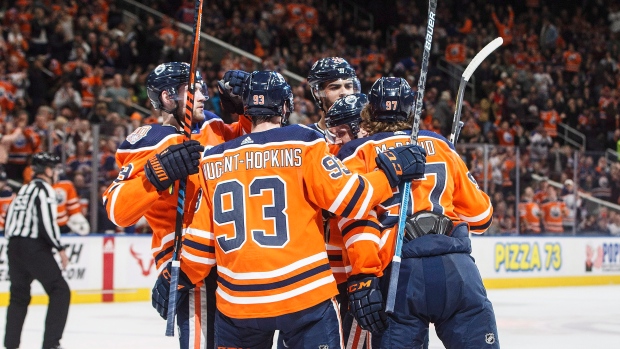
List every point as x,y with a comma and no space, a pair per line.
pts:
542,114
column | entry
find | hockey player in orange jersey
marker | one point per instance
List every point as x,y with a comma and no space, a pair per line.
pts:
343,121
331,78
6,196
70,217
438,281
260,222
143,189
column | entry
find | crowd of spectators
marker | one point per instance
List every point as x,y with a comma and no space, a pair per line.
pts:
65,64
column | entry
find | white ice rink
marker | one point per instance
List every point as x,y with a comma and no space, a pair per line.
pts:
537,318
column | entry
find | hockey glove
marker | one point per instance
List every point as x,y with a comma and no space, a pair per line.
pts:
175,162
161,291
366,302
231,90
402,163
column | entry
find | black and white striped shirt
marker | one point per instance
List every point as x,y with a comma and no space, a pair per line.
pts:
33,214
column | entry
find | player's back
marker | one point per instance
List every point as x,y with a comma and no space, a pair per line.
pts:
447,187
256,184
266,191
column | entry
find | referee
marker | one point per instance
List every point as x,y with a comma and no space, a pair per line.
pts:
32,232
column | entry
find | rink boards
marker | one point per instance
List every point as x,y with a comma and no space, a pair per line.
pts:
120,268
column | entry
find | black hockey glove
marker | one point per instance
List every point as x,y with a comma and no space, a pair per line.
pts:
402,163
161,291
366,302
231,90
175,162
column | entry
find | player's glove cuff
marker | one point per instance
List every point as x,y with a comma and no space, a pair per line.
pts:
156,174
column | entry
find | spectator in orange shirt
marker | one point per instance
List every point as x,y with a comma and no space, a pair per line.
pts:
506,134
554,211
467,26
455,51
572,62
529,213
550,119
504,30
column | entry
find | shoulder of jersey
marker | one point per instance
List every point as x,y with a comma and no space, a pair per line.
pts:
209,117
283,135
352,147
315,127
63,182
431,134
147,136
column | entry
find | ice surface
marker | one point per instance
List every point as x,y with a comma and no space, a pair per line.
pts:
537,318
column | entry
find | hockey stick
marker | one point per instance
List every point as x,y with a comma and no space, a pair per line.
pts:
406,188
187,126
471,67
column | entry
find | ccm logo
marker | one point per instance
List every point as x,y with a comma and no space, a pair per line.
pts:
360,285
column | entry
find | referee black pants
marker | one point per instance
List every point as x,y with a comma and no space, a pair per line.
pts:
32,259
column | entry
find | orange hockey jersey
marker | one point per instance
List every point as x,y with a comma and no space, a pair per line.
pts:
68,201
261,222
132,196
4,206
553,214
447,188
529,214
27,144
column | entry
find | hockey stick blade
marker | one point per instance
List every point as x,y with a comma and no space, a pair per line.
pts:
469,71
481,56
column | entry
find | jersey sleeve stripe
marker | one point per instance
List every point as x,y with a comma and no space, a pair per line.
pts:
335,257
164,241
275,285
278,297
197,259
274,273
329,247
200,233
482,227
362,237
364,206
198,246
343,194
163,254
361,223
477,218
113,203
356,196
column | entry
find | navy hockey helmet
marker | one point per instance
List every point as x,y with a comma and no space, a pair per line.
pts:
391,100
346,110
41,161
330,69
169,77
266,94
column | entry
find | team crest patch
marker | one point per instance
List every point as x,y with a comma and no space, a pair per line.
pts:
489,338
61,196
138,134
